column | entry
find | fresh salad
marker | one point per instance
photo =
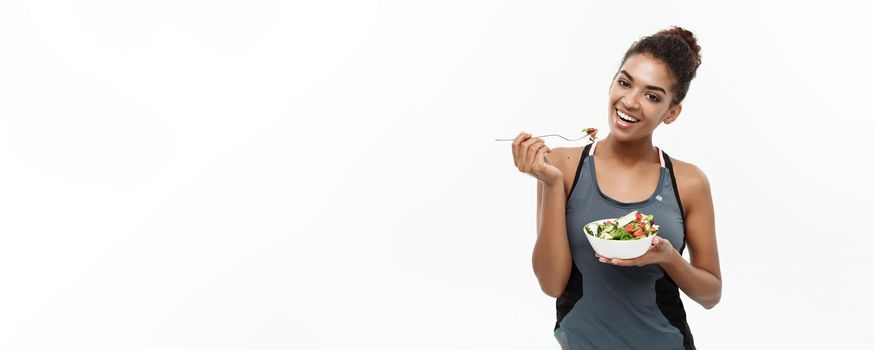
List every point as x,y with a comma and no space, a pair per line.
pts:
634,225
592,133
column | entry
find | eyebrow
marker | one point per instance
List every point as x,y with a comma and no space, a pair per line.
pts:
651,87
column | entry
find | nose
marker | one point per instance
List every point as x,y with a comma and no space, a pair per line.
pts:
629,103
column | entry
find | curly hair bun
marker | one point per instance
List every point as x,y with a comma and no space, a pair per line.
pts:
689,38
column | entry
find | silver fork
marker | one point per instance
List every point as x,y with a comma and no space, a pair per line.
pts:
589,132
584,136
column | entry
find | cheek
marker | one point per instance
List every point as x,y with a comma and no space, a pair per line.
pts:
656,114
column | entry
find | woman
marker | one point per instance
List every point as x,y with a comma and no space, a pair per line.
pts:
635,303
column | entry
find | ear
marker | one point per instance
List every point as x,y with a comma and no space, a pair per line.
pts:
673,114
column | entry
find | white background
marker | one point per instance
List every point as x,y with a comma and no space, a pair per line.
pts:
324,175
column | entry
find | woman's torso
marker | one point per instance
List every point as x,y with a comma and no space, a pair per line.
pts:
607,306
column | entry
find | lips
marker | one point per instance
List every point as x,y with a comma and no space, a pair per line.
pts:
621,123
626,117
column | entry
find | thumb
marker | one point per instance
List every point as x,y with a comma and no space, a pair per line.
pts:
656,240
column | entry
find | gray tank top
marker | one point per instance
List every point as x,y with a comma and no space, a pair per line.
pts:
620,307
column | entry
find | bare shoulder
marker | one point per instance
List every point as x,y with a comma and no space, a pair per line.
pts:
563,157
688,173
566,159
692,183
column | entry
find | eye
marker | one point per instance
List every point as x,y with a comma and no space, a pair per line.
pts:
652,97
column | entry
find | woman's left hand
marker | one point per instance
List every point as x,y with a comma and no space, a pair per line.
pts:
660,252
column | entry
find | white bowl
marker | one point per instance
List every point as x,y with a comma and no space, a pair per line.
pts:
609,248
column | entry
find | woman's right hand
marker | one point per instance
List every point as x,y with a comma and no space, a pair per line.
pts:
529,154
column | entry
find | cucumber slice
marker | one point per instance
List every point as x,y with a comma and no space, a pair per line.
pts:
627,218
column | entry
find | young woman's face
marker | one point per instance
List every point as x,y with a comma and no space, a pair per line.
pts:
641,90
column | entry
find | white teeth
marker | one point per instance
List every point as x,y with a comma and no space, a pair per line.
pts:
626,118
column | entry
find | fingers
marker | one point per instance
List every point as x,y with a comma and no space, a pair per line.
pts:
604,259
527,152
535,154
622,262
517,146
661,242
540,157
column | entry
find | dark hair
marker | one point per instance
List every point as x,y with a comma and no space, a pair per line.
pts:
676,47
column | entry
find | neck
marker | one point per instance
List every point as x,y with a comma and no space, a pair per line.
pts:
640,150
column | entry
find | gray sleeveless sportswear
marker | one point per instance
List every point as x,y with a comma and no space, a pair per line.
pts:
620,307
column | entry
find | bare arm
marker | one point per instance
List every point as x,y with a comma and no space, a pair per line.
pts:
701,279
552,257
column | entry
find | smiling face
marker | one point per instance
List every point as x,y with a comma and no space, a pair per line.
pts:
640,90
